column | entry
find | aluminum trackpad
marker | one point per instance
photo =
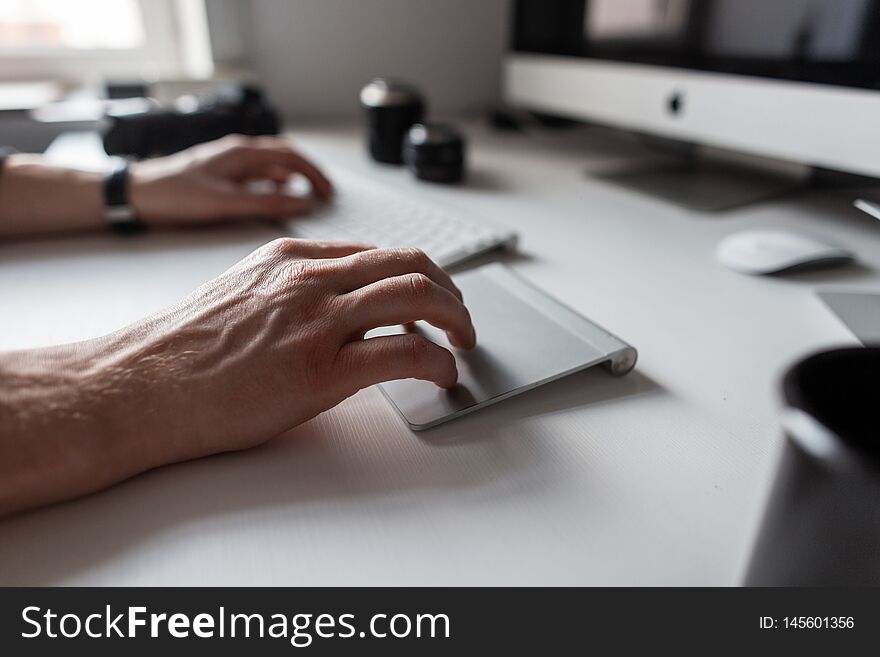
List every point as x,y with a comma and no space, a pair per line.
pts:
524,339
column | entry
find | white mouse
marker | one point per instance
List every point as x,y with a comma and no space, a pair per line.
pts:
770,251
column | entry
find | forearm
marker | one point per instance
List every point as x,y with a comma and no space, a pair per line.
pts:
36,197
78,418
60,433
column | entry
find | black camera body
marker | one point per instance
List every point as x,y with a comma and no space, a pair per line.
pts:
234,109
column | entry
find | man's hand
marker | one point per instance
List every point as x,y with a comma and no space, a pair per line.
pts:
205,183
272,342
211,182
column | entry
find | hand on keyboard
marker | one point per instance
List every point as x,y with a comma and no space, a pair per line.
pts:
209,182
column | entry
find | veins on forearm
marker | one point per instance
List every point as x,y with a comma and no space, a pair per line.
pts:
33,398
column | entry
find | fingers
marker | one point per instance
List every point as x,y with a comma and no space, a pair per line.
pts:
269,158
298,164
276,174
299,249
371,266
407,298
386,358
319,249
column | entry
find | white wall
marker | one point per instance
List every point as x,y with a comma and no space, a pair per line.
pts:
315,55
231,30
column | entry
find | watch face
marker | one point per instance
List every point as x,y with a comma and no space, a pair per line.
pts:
119,214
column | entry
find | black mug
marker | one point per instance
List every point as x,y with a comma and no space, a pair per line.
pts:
391,108
821,526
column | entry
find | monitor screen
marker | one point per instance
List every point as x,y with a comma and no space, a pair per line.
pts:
823,41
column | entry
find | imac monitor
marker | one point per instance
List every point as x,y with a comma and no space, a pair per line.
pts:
792,80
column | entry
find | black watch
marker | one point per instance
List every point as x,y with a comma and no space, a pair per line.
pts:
117,210
5,151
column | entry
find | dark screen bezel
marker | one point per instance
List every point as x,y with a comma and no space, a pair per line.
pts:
555,28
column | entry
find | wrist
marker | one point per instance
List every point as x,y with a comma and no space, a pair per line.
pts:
119,211
142,190
139,373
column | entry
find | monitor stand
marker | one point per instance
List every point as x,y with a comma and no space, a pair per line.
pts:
711,180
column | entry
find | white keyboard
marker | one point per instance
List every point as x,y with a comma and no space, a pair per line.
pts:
367,211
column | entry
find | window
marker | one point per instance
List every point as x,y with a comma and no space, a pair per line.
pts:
56,24
63,39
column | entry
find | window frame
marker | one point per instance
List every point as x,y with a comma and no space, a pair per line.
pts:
171,44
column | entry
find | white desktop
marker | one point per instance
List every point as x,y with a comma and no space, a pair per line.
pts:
658,477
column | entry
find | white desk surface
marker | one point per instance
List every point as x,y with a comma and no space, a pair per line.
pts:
657,478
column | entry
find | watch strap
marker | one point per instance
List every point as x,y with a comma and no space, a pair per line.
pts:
5,152
117,210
